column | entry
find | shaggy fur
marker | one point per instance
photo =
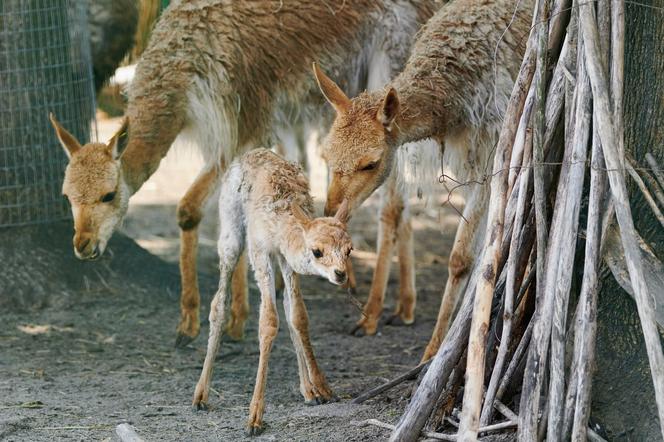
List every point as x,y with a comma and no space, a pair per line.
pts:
454,89
263,203
223,74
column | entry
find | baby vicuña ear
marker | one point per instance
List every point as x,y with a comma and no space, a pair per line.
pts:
69,143
331,91
389,109
343,212
300,215
119,142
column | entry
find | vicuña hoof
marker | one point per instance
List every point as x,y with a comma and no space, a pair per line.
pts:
364,328
396,320
255,430
182,340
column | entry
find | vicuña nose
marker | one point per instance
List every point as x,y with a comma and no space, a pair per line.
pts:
82,244
340,274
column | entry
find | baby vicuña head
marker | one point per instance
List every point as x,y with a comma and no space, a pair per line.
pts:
327,244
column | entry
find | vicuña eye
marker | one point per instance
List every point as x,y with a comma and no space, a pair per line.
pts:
108,197
370,166
317,253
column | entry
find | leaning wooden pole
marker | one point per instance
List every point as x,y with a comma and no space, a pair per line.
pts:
474,387
530,396
610,147
411,423
562,245
586,327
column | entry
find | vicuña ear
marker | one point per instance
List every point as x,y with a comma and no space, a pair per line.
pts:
69,143
300,215
331,91
389,110
118,143
343,212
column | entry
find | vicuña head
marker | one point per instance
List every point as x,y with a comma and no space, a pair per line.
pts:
327,244
95,188
361,145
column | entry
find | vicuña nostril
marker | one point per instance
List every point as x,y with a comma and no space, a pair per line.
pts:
82,245
340,274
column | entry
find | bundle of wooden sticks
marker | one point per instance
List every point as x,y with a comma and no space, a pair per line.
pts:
564,123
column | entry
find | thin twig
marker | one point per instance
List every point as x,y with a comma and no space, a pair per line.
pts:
410,374
644,190
656,170
439,436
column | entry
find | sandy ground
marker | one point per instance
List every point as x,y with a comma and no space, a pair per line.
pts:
75,369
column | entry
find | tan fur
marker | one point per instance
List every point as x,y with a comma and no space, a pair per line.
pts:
454,89
221,73
267,206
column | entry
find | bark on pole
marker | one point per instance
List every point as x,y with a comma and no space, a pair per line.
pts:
411,423
472,400
610,146
586,326
530,396
562,245
510,289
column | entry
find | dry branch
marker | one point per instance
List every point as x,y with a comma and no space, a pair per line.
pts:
560,257
127,433
411,423
644,190
586,324
653,269
530,397
608,136
441,436
472,400
655,169
510,288
410,374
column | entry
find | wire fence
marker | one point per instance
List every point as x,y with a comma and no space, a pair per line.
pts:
45,66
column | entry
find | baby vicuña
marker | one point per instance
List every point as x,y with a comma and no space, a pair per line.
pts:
265,206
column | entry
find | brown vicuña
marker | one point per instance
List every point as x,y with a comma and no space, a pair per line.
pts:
225,74
266,208
454,89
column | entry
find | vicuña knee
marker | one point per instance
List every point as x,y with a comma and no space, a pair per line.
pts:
189,215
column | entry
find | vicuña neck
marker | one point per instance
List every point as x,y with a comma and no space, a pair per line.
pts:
423,112
150,138
292,246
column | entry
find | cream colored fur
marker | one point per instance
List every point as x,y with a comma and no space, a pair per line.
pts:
265,206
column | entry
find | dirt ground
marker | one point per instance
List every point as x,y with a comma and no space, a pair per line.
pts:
99,352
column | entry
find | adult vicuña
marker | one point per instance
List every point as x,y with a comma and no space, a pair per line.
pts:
454,89
225,75
266,206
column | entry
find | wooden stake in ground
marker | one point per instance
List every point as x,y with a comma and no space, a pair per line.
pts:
530,394
562,245
473,389
426,395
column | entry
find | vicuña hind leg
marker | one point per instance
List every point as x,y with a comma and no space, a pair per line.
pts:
228,259
404,313
469,237
190,214
240,300
313,385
